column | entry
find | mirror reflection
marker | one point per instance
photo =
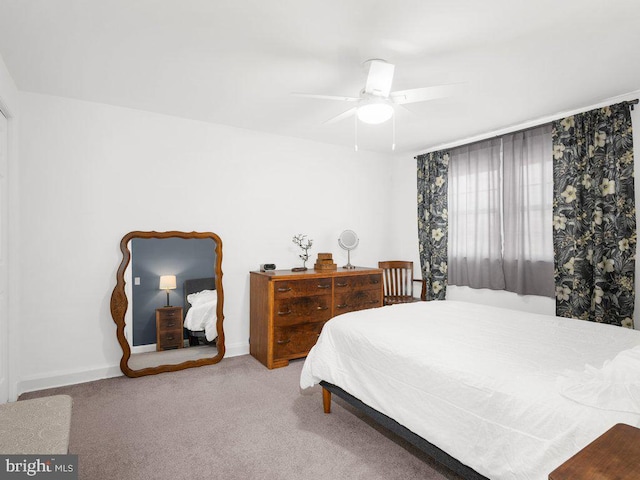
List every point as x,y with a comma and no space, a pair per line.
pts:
173,293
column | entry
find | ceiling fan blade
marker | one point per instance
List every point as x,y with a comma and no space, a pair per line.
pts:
342,116
380,78
403,113
423,94
326,97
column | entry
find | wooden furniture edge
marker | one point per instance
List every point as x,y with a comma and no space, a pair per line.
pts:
311,273
606,457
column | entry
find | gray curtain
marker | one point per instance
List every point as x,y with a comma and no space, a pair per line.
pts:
500,203
432,222
475,225
594,216
528,198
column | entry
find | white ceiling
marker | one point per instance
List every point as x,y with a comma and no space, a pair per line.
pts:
235,62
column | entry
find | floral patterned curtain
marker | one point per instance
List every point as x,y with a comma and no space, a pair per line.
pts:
432,222
594,218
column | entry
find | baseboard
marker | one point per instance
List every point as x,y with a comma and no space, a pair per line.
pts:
62,379
144,348
236,349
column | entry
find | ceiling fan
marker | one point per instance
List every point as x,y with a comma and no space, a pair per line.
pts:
376,102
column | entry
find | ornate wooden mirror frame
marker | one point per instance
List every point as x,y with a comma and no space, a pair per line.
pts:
120,303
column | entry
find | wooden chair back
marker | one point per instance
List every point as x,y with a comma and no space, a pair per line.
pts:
397,278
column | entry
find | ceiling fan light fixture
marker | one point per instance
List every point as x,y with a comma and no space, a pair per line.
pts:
374,112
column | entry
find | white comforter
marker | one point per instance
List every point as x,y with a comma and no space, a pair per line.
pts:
500,390
202,316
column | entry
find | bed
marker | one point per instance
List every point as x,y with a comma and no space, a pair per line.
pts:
200,302
492,393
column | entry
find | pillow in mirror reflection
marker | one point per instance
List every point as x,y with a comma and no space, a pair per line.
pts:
203,296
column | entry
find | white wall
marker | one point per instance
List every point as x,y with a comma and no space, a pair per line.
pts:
90,173
404,243
8,237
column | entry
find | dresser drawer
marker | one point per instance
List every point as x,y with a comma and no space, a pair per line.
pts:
359,282
357,300
170,338
170,312
296,340
302,288
169,322
296,310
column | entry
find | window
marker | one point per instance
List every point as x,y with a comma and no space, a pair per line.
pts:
500,213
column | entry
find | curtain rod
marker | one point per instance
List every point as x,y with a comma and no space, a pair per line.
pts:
506,130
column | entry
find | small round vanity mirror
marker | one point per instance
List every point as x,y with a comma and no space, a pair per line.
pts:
348,240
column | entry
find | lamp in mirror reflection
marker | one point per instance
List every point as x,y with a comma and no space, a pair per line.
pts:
167,282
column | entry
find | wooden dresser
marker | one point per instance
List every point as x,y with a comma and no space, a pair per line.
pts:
288,309
169,332
615,455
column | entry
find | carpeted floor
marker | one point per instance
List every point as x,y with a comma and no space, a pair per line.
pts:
234,420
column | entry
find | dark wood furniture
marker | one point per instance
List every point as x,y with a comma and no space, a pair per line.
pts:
288,309
398,281
615,455
120,303
169,333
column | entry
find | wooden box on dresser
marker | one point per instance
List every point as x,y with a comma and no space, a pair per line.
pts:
288,309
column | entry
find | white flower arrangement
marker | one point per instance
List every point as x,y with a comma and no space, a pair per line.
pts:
305,244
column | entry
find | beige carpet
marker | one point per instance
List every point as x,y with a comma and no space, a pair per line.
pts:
234,420
138,361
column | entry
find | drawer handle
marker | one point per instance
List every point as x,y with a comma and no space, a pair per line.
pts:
373,301
342,305
283,342
284,289
171,324
288,312
169,337
320,307
341,284
324,286
375,282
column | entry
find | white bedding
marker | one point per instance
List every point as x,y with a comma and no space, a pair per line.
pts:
202,316
497,389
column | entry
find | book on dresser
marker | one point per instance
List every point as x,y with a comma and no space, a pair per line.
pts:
289,309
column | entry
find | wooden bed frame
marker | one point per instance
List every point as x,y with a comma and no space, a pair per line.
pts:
390,424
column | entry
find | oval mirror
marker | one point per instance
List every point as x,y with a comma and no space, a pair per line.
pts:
348,240
168,301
